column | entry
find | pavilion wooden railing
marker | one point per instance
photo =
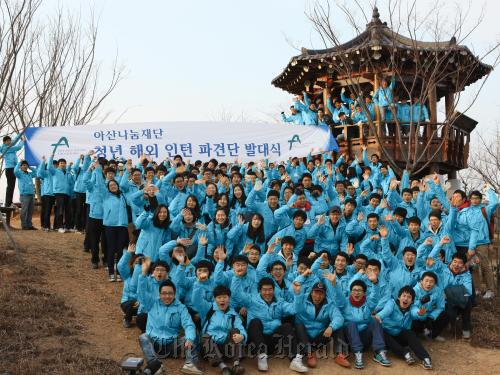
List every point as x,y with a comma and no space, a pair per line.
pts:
454,150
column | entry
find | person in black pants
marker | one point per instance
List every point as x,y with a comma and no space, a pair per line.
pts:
80,217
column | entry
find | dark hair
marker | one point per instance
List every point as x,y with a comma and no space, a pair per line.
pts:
239,258
374,262
410,249
165,283
222,290
407,289
159,263
197,210
376,196
305,261
358,282
435,213
24,162
149,169
204,263
342,254
241,200
372,215
361,256
351,201
429,274
300,213
156,221
476,193
61,160
414,220
257,235
6,138
461,192
273,193
276,263
289,240
265,281
462,257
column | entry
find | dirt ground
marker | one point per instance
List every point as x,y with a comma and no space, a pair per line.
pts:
55,265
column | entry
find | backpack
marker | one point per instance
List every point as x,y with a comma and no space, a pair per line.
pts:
490,222
210,313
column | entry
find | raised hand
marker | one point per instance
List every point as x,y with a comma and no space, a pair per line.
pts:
383,231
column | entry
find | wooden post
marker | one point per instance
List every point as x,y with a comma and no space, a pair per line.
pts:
325,100
432,110
449,102
377,111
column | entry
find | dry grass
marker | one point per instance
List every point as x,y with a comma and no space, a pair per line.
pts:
38,331
486,323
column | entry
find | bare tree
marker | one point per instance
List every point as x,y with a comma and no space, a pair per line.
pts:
484,161
418,71
49,75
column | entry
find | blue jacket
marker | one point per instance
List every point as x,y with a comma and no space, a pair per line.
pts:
238,235
383,97
43,174
247,284
216,236
79,172
9,153
434,307
220,323
477,223
62,180
165,321
300,236
114,210
395,320
316,322
295,119
128,187
130,278
399,274
152,237
359,315
270,224
25,179
447,278
326,237
270,314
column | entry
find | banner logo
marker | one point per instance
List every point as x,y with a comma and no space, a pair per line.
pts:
63,141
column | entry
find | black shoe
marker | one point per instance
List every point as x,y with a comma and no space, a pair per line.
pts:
126,323
32,228
152,367
238,370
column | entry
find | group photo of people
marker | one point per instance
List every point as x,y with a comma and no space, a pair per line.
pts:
316,257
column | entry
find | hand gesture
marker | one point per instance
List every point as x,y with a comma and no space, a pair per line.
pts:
321,220
363,147
375,237
296,287
422,311
222,253
350,249
307,273
444,240
372,276
203,240
360,216
237,338
428,241
331,277
241,220
429,262
383,231
146,263
377,318
328,332
271,249
131,248
201,227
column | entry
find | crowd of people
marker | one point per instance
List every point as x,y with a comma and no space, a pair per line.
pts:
348,110
250,259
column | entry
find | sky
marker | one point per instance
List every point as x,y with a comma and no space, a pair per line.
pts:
194,59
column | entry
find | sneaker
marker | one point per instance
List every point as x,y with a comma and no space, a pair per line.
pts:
358,360
312,361
466,335
190,368
118,278
297,365
478,292
45,229
381,357
72,230
439,339
112,278
237,370
126,323
489,294
262,362
61,230
427,364
409,359
341,360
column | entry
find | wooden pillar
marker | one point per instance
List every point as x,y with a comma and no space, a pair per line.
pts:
432,110
377,111
449,103
325,100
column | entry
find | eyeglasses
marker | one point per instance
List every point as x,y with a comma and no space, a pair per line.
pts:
167,293
356,290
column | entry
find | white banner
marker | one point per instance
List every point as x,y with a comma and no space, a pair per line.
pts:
192,140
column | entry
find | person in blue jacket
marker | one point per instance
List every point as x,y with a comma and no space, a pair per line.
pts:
26,193
80,212
155,231
295,118
359,327
318,322
265,209
329,235
8,151
166,317
129,268
115,222
62,184
456,281
222,332
396,319
248,233
265,327
478,219
383,96
47,195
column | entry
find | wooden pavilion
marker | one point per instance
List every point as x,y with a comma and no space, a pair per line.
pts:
317,71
